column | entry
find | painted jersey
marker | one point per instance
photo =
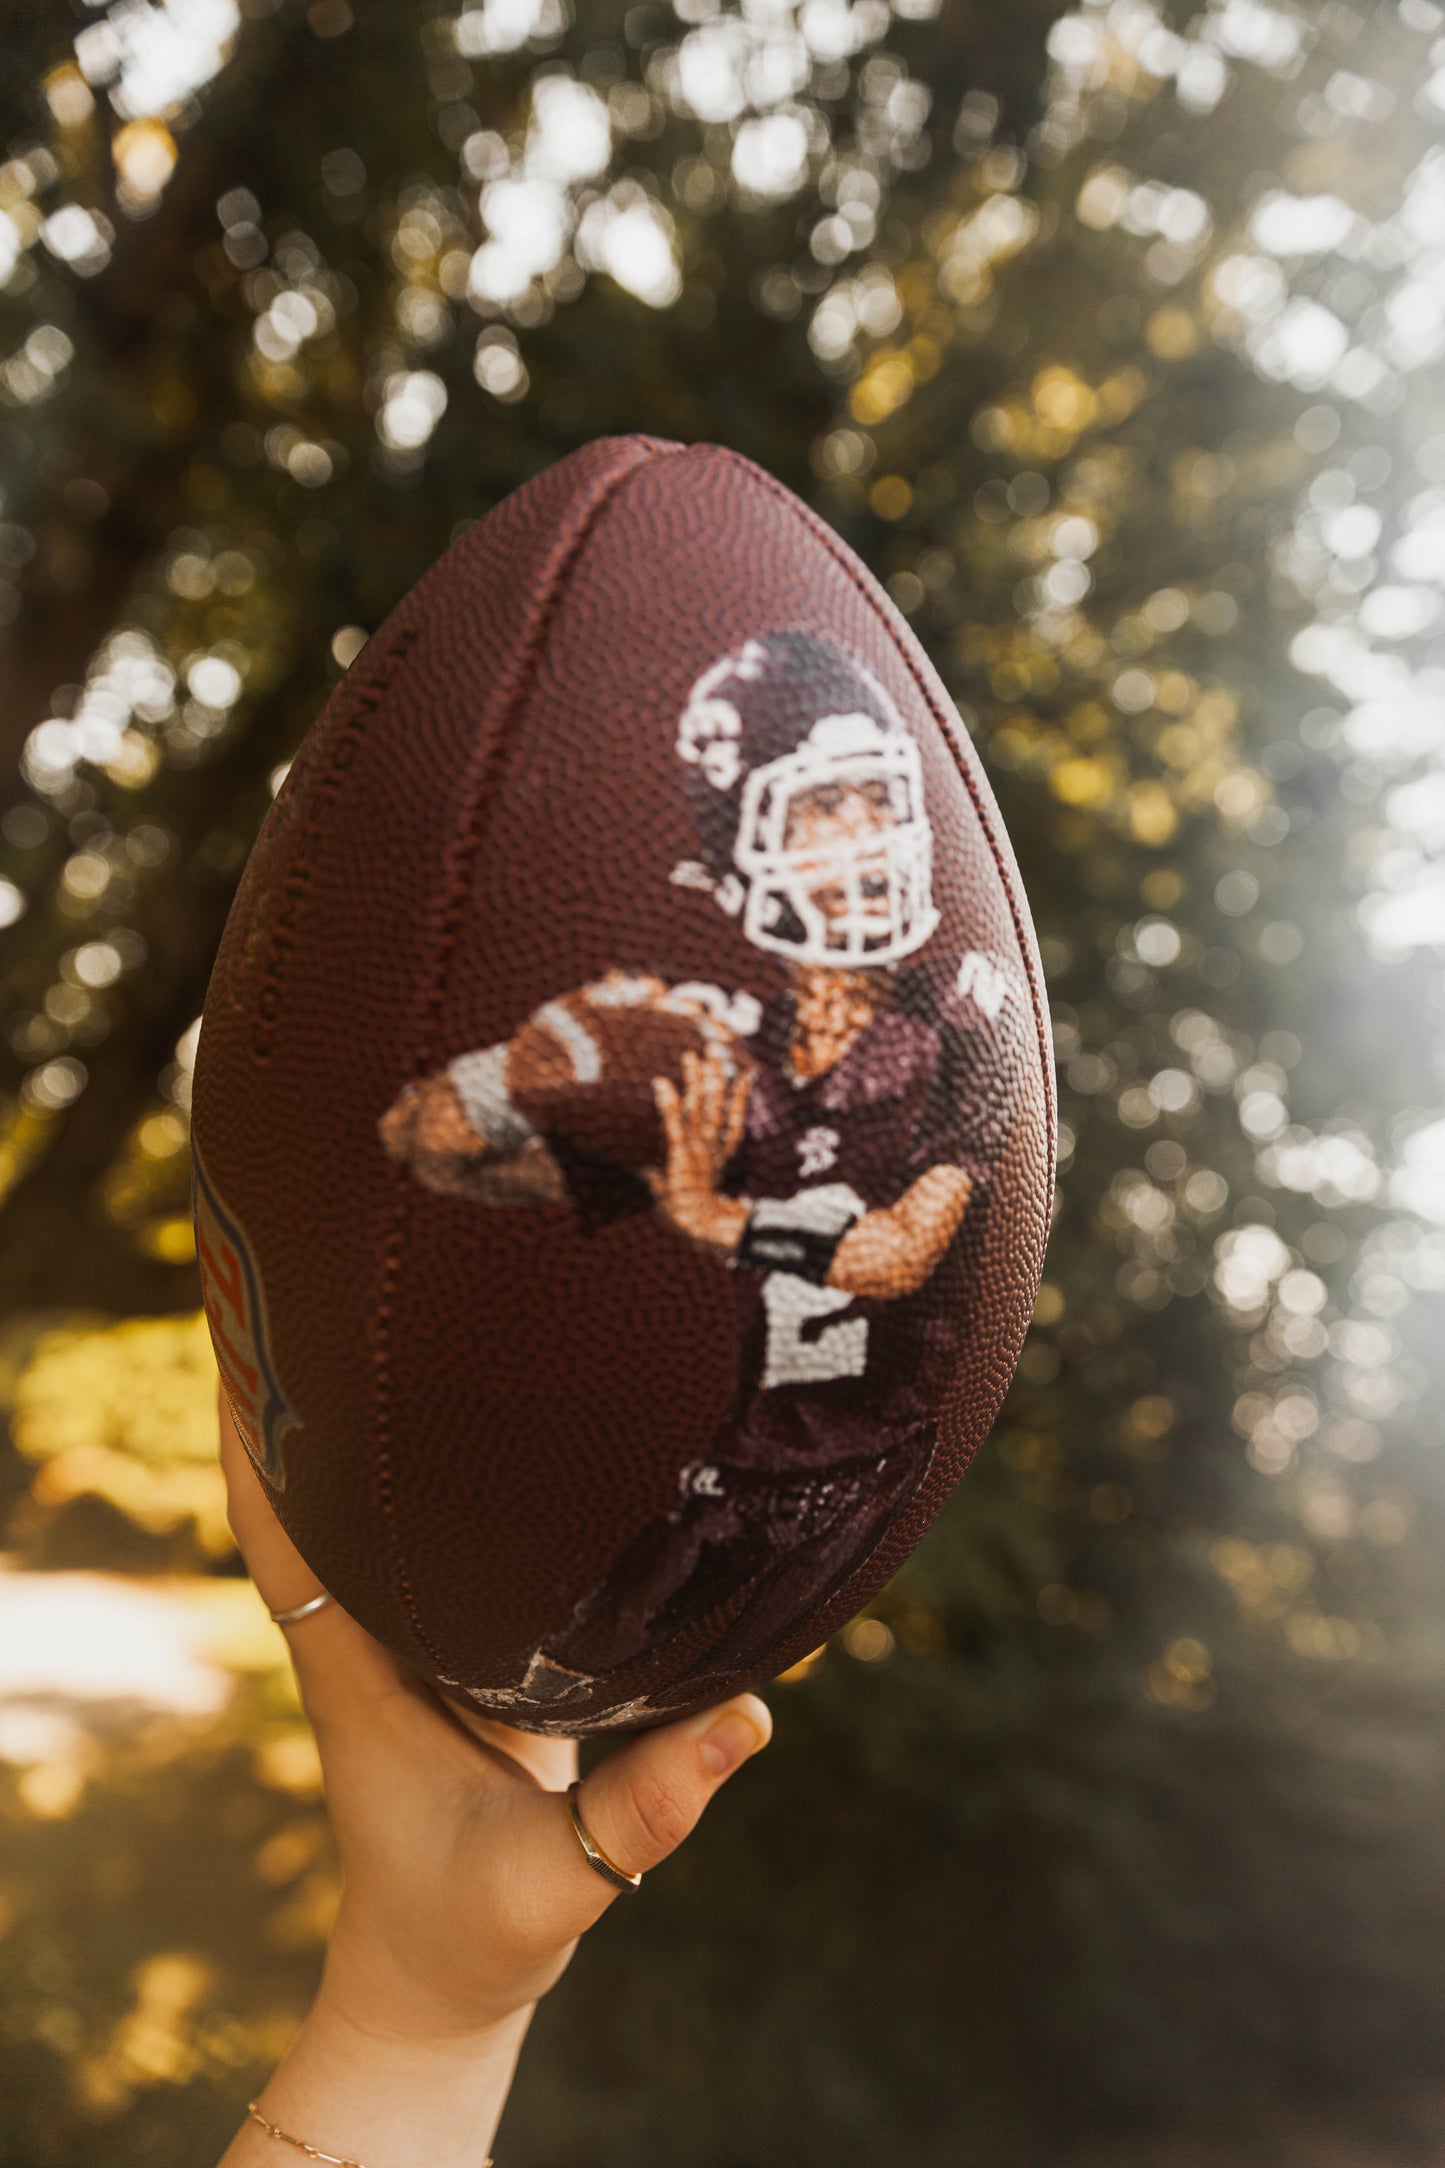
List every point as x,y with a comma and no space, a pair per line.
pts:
832,1429
824,1375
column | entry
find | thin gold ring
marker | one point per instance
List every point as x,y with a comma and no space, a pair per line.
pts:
597,1859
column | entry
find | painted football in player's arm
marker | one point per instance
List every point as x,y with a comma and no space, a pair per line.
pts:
533,1119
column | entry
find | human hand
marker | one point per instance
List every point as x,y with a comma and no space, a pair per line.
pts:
703,1126
464,1887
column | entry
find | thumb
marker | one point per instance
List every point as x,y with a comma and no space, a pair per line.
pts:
641,1802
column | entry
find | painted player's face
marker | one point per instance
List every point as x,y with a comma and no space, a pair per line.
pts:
843,824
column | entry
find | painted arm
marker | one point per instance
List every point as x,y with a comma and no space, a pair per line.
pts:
429,1130
885,1254
891,1253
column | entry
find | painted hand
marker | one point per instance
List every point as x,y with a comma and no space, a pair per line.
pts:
703,1126
426,1129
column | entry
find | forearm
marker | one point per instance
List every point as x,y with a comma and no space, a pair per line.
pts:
384,2102
715,1221
891,1253
883,1255
878,1258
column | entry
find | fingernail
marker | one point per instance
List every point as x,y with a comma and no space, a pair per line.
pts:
728,1744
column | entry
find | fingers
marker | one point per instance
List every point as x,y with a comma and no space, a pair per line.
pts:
692,1105
427,1118
737,1114
669,1106
642,1801
441,1125
705,1102
715,1096
339,1666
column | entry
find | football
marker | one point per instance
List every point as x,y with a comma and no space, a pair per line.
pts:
623,1118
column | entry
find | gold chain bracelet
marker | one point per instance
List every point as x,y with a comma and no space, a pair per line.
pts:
312,2152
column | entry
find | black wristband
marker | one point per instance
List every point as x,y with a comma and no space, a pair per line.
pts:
806,1252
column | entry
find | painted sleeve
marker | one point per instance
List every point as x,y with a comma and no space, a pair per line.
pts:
970,1107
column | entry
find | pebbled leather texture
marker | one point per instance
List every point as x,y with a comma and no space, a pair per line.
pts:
500,1430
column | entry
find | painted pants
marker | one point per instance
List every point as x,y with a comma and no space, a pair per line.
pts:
748,1552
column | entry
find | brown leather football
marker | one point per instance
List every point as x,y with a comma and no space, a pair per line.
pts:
623,1112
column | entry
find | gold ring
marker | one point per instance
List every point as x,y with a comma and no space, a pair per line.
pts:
302,1610
597,1859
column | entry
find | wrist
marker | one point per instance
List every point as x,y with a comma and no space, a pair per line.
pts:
386,2098
715,1221
372,1996
367,2030
787,1236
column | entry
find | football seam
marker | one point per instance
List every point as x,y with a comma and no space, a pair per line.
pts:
466,846
819,527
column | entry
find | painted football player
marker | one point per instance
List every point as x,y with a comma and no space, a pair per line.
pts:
828,1147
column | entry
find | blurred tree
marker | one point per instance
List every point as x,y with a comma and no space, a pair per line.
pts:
1092,450
218,322
1117,1816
